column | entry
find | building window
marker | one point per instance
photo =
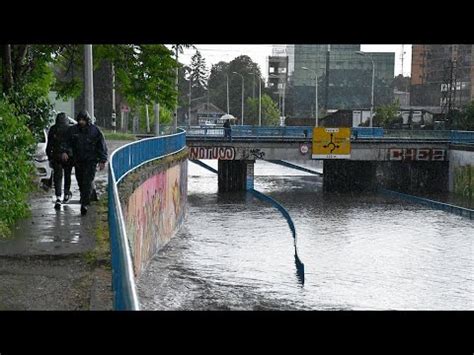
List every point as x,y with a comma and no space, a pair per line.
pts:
271,69
282,70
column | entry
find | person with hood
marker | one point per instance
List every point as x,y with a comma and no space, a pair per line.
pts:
56,138
85,143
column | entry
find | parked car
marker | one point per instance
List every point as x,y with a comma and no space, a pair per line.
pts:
44,172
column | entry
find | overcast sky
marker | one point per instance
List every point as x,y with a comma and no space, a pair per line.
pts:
259,53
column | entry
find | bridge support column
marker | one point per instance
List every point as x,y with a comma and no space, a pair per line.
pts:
415,176
235,175
349,175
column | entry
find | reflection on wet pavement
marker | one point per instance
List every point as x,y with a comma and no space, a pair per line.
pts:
50,231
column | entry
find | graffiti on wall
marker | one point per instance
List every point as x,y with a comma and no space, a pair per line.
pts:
222,153
252,154
409,154
153,213
464,181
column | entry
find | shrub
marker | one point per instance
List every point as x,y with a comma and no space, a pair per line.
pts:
16,168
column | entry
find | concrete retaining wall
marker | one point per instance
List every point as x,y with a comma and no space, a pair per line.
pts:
153,199
461,172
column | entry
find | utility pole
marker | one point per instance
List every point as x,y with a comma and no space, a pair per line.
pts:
260,102
402,57
114,114
157,118
175,118
147,120
227,93
326,92
88,81
253,88
189,108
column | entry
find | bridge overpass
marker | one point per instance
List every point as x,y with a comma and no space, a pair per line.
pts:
405,160
399,159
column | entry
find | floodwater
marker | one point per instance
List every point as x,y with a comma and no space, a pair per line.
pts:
361,252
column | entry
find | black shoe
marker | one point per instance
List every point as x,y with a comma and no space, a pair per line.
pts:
94,196
57,205
67,197
83,210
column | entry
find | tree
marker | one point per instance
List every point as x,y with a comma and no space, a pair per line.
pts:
27,76
463,119
270,112
218,83
387,115
144,73
198,74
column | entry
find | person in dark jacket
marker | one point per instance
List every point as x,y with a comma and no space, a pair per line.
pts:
56,138
227,130
85,143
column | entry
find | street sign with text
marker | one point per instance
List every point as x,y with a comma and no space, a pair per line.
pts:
331,143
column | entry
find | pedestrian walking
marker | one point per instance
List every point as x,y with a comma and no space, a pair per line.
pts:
227,130
85,143
56,138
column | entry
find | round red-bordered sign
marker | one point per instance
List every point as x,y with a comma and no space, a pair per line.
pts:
304,148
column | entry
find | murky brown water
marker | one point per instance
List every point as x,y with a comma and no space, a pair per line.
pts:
360,252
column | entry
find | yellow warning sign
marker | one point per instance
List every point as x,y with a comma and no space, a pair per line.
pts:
331,143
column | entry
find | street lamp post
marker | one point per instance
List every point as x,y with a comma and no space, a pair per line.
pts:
259,99
242,95
316,105
281,95
189,108
88,80
227,76
260,102
373,80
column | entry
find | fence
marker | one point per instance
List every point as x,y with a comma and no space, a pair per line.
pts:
123,161
257,132
465,212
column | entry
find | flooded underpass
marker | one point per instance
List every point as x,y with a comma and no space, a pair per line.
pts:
364,251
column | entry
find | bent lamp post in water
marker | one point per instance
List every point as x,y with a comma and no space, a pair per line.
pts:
284,212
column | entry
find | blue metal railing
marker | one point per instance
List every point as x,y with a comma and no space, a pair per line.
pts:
465,212
252,131
463,137
256,132
367,132
123,161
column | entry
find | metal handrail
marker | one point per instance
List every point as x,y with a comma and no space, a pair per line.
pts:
257,132
123,161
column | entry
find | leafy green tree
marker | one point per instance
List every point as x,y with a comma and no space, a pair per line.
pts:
270,112
16,168
198,74
463,119
387,115
218,83
27,76
144,73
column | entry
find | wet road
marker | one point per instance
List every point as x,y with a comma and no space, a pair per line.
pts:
360,252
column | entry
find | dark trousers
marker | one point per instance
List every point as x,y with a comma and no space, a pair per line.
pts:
228,133
85,174
58,168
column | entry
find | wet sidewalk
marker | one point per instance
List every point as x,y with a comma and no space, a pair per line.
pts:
58,259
